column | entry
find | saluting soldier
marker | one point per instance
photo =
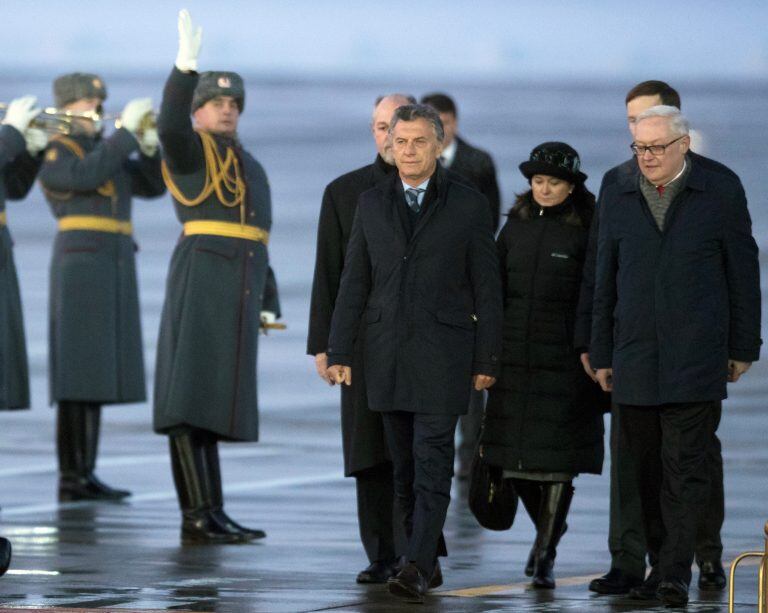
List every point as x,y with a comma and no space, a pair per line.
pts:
95,348
20,147
220,288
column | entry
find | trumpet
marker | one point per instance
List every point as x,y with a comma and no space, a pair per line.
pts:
58,121
148,122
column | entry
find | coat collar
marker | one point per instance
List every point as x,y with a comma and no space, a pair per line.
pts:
697,179
393,190
381,170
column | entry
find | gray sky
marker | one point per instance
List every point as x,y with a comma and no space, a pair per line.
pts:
575,39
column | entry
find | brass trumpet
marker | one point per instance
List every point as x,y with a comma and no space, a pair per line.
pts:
57,121
148,122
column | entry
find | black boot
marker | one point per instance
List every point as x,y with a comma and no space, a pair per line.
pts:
217,495
5,555
529,493
92,428
77,441
554,509
194,489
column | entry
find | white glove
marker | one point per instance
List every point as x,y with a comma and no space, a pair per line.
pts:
268,317
189,43
37,140
134,112
149,141
21,112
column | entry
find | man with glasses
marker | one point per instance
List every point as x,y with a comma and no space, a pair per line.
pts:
626,540
676,314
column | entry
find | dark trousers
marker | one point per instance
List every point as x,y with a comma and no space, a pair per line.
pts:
668,446
626,538
381,530
422,449
469,425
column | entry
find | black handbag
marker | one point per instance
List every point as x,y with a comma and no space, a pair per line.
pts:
492,499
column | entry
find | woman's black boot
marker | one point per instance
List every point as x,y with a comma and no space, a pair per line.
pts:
554,509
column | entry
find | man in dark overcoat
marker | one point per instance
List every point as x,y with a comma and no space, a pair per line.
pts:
21,149
626,540
676,314
95,347
365,450
422,273
220,288
477,167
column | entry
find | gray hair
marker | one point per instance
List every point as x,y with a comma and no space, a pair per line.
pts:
412,112
404,98
678,124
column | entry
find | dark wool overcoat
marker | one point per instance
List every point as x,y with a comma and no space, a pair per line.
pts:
18,170
216,289
95,347
672,306
544,413
477,167
431,303
627,171
362,430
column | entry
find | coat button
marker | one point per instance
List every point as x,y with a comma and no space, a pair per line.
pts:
247,292
252,214
405,257
250,254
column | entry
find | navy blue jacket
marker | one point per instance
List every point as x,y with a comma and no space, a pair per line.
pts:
626,171
671,307
431,303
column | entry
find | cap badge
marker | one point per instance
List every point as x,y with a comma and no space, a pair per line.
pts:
96,83
224,82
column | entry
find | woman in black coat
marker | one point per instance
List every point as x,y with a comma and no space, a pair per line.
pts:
543,422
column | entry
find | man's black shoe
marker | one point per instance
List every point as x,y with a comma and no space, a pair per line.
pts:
673,593
377,572
711,576
409,584
648,589
616,581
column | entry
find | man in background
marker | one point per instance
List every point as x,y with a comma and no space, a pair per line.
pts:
366,457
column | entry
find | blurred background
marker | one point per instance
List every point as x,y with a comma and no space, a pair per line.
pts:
521,72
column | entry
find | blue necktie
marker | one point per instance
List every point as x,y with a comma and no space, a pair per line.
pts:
412,198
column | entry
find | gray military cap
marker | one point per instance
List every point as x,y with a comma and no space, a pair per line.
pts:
76,86
219,83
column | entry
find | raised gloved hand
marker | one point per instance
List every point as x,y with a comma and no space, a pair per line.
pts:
149,141
133,113
189,43
21,112
36,139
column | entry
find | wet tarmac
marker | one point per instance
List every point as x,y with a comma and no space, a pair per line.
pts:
123,557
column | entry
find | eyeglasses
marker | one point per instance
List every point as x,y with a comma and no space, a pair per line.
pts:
656,150
561,159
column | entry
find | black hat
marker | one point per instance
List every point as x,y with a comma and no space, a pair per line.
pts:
556,160
219,83
76,86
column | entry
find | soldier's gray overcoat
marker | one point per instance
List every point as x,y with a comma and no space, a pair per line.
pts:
216,289
95,347
17,170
